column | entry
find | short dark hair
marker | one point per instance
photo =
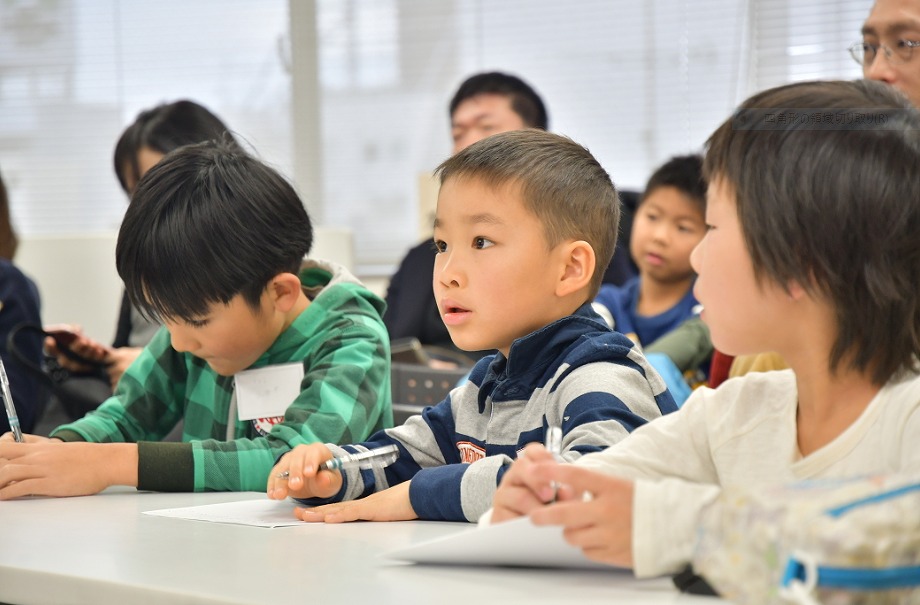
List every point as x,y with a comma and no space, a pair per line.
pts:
684,173
833,204
206,223
524,99
560,182
165,128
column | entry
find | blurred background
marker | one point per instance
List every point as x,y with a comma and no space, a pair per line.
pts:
348,98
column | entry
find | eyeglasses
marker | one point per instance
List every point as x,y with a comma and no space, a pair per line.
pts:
865,53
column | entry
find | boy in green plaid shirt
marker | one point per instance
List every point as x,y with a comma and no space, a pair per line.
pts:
212,244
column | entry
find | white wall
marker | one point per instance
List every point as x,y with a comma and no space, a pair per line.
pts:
76,277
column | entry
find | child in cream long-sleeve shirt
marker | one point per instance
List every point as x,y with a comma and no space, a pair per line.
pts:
811,252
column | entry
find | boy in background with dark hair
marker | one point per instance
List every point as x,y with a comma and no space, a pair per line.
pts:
669,222
212,245
492,102
649,308
522,235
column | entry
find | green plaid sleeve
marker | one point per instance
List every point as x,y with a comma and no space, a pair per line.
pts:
146,405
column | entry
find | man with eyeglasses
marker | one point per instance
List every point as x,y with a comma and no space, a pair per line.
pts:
890,48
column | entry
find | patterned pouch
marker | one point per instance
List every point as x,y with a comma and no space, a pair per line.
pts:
839,542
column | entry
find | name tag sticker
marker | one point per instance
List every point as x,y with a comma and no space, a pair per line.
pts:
267,392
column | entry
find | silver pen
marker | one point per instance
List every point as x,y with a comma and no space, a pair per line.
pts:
378,457
8,404
553,444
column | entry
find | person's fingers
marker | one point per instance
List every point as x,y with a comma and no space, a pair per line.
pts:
333,513
512,502
569,514
535,452
310,515
19,489
17,480
577,479
326,484
276,486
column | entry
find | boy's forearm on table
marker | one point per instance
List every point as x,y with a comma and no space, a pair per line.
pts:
122,465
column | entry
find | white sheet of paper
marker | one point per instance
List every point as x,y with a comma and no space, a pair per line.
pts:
259,512
517,543
267,392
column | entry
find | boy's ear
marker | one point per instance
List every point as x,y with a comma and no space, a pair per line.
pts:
579,262
284,290
795,290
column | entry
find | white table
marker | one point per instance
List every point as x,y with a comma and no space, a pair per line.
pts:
100,549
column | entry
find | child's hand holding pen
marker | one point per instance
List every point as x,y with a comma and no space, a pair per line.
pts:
524,486
594,509
298,474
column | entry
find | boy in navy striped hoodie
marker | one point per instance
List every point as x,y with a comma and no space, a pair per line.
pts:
525,226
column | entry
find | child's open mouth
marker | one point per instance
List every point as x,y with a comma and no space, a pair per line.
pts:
454,314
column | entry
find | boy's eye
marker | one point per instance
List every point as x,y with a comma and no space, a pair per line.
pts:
439,246
481,242
197,323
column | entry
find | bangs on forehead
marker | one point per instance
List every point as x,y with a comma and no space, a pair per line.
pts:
175,298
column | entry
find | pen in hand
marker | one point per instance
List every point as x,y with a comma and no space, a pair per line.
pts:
379,457
8,404
553,444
